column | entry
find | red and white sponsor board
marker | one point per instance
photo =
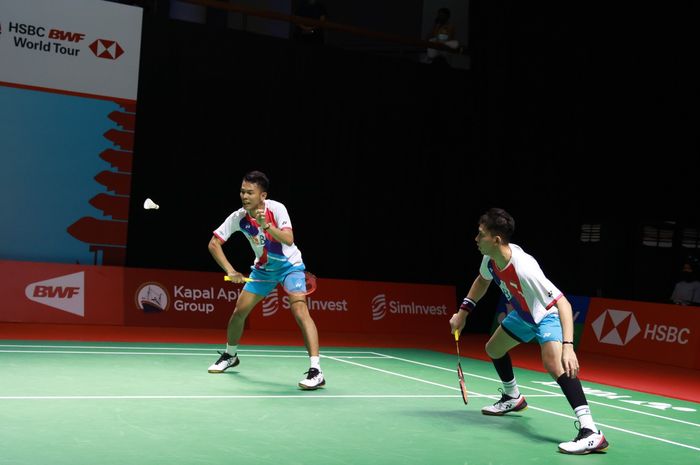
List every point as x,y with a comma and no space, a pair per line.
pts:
57,293
660,333
184,299
81,47
365,306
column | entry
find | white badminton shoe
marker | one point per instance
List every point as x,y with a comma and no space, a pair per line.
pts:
585,442
505,404
313,380
225,362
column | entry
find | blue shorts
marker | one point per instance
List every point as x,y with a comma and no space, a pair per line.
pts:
549,329
291,277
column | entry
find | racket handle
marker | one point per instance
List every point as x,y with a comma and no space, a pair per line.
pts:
228,278
456,335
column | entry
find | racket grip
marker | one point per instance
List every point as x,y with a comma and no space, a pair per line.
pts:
456,335
227,278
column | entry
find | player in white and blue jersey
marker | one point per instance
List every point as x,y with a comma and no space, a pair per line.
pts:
540,311
268,228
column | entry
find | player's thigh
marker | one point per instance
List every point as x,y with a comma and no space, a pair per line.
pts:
247,301
500,343
551,358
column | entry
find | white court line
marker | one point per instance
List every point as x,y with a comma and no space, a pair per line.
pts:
169,354
618,429
386,372
553,394
34,346
402,375
297,396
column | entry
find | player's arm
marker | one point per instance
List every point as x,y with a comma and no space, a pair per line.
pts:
285,236
568,356
217,252
476,292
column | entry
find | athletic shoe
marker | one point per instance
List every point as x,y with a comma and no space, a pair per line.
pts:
505,405
585,442
313,380
225,362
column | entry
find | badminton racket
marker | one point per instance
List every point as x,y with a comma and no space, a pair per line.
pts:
297,287
460,374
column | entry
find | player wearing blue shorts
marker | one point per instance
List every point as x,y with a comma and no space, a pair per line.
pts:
266,225
540,311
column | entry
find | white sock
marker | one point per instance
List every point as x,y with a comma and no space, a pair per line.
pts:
511,388
231,350
315,362
583,413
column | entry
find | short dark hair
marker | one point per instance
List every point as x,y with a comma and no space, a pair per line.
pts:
498,222
259,178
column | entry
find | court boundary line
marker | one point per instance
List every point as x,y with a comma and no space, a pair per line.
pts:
476,394
559,394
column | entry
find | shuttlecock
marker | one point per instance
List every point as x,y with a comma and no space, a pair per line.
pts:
150,205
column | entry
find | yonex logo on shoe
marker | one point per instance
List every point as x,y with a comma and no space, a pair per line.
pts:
617,327
66,293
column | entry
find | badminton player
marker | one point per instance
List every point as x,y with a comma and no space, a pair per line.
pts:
266,225
540,311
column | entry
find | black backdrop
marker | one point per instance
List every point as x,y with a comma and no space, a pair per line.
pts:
385,164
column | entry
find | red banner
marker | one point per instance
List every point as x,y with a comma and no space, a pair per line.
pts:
183,299
661,333
362,306
55,293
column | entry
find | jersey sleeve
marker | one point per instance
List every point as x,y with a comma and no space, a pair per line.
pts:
229,226
279,211
484,269
540,286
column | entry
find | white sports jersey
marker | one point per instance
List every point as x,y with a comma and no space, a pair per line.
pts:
524,284
269,254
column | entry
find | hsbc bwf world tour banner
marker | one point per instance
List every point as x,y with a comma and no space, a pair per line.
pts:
68,88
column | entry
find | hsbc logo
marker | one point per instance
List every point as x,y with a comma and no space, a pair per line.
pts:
65,293
617,327
109,49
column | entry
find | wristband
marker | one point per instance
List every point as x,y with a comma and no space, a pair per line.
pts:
568,342
467,305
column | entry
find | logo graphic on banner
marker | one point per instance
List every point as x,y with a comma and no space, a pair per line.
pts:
270,303
103,48
65,293
152,297
616,327
379,307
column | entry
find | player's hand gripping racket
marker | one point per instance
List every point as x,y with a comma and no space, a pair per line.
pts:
460,374
305,287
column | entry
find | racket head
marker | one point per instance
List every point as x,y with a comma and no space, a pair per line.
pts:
462,384
300,283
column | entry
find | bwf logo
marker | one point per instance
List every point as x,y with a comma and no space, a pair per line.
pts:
379,307
64,293
617,327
